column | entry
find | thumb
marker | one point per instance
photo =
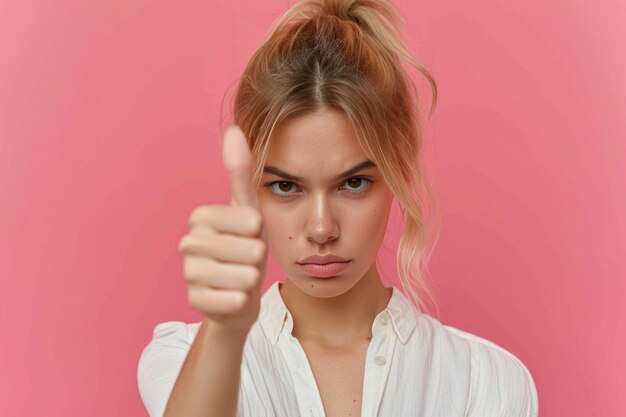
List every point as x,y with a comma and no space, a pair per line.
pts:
238,162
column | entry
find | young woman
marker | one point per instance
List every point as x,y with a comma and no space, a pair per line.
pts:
326,135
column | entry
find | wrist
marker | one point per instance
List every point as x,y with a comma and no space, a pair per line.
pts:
225,332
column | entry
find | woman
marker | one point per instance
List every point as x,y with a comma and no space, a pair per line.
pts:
326,136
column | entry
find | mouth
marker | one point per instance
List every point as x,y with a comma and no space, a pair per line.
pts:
325,270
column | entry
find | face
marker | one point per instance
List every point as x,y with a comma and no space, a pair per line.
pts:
313,203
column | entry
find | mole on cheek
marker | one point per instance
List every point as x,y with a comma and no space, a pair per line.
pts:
289,237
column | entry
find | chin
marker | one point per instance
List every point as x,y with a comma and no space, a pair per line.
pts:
328,287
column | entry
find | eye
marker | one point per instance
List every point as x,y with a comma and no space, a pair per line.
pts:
359,181
283,187
356,185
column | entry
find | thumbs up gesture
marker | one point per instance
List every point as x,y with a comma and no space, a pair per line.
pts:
225,251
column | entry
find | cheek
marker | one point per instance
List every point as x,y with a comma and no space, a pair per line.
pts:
280,230
370,220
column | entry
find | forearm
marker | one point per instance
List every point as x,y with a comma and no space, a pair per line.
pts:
208,383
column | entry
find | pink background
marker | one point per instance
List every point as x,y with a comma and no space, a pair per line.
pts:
108,117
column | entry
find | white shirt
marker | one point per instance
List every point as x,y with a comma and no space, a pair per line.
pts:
415,367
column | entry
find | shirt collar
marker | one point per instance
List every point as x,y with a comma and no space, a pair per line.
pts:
275,318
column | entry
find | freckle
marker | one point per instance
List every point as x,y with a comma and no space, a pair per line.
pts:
289,237
354,400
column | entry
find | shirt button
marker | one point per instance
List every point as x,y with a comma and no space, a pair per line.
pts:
384,320
297,363
380,360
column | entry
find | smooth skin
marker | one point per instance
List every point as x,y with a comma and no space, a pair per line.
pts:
322,214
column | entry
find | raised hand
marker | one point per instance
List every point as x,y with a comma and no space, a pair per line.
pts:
225,251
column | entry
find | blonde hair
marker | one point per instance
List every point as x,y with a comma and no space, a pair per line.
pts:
344,55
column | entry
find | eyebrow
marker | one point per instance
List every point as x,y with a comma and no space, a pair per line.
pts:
358,167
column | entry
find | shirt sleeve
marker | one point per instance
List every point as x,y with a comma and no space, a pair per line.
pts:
160,363
502,385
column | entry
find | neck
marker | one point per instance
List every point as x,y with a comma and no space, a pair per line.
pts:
342,321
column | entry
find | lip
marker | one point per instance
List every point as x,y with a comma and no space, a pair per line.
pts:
323,259
326,270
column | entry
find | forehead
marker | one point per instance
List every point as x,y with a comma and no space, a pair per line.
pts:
318,141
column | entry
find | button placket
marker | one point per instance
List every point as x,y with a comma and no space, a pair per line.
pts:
308,397
383,328
378,364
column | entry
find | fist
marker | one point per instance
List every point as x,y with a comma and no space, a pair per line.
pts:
225,251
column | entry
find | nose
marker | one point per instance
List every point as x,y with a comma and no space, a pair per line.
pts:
321,226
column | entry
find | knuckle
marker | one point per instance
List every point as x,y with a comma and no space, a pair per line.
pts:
252,277
248,218
193,297
188,271
256,275
256,221
258,251
200,214
184,244
191,244
193,217
181,244
196,269
240,302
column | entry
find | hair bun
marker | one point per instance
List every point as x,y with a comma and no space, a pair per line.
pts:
339,8
373,16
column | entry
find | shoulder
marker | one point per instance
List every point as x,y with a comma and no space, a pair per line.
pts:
173,333
161,361
176,333
500,383
169,340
